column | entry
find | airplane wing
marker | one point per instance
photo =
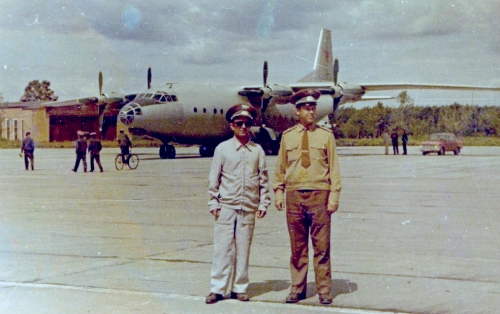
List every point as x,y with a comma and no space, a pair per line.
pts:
375,98
377,87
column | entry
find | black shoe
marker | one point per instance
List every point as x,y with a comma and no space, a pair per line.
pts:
240,296
213,298
71,170
325,299
295,297
91,170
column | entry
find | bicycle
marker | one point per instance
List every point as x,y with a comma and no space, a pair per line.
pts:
132,161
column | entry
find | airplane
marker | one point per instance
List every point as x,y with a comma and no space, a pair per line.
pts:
195,113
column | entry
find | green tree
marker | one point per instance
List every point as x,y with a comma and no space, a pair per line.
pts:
38,91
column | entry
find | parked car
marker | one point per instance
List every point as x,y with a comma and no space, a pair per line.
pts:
440,143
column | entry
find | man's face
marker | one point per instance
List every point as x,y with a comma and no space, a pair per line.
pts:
241,127
306,114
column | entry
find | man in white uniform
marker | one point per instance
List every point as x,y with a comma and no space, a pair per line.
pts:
238,191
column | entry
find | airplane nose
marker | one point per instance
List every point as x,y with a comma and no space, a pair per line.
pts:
128,112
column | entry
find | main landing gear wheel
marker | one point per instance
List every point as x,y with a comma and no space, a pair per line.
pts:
206,151
167,151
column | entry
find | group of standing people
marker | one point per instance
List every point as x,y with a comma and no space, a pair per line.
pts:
394,139
307,185
94,148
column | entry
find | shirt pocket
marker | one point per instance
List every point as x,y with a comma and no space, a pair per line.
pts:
292,154
319,153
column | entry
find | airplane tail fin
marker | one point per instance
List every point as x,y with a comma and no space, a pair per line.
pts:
323,64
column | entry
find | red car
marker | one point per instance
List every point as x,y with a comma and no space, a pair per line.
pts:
440,143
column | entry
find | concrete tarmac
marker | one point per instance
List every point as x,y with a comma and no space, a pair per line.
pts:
414,234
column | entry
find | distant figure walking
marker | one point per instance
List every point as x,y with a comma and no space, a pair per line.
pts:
387,141
395,144
28,147
94,150
81,151
404,139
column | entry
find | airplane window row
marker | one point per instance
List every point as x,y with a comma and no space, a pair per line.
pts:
205,110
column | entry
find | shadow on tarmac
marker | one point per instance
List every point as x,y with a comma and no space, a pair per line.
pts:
339,286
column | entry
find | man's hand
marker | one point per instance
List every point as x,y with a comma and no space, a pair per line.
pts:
261,213
216,213
21,155
332,208
279,204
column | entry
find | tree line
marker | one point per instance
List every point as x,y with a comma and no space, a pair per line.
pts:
463,120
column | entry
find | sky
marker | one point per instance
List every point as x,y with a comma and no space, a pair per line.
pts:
227,41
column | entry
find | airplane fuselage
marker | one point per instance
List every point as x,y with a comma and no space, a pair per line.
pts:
195,113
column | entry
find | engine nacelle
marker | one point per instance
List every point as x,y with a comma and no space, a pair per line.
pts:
352,92
280,91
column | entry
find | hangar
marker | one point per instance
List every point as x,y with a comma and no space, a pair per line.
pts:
55,121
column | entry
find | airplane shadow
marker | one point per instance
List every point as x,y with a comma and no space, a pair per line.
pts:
339,286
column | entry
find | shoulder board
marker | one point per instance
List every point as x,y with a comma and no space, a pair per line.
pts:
290,129
324,129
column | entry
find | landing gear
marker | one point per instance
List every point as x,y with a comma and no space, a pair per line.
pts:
207,150
167,151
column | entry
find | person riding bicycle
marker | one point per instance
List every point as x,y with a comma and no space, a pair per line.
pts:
125,144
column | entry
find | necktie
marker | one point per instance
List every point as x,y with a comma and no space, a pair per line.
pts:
305,160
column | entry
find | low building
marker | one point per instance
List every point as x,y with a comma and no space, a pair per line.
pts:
53,121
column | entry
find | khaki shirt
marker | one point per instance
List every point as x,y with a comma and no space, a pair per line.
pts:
322,174
238,177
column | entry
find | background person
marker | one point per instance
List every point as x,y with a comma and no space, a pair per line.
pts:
387,141
81,151
95,147
125,143
395,143
28,147
238,191
404,139
307,180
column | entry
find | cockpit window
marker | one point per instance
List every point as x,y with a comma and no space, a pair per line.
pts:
163,97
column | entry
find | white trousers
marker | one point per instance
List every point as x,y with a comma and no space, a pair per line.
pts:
232,239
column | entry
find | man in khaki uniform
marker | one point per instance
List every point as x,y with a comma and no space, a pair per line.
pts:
307,180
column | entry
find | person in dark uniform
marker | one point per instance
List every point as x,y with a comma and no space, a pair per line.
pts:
28,147
81,151
395,144
404,139
307,169
125,144
95,147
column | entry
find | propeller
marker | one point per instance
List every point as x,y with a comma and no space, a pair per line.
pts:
264,101
100,83
149,78
335,71
265,74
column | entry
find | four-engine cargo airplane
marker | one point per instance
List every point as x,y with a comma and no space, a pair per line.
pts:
195,113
